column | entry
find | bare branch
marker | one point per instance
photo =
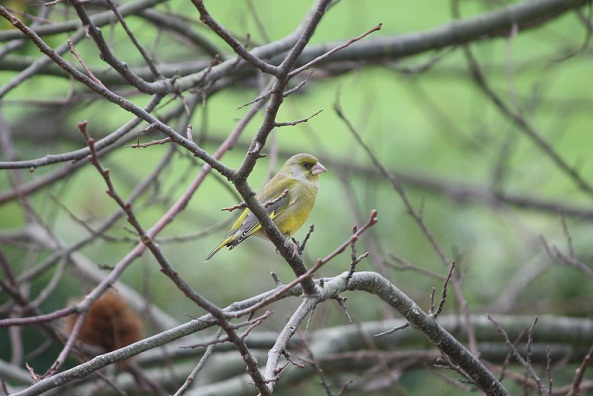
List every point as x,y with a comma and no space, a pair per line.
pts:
333,50
231,41
525,363
439,310
579,374
293,123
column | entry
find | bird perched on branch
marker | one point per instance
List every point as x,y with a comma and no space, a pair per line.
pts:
288,198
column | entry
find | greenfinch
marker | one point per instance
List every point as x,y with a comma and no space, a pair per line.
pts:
288,198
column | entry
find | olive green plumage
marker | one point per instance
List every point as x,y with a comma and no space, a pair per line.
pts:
300,176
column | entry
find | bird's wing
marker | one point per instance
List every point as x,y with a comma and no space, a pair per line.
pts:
251,224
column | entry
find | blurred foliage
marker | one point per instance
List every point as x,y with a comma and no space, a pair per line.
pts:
432,124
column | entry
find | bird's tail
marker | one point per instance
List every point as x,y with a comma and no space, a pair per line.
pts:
220,246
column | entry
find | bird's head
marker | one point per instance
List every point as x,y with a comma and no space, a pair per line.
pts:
304,165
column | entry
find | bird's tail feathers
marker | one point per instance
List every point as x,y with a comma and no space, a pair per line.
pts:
220,246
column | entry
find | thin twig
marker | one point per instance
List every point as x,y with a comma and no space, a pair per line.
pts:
303,244
342,303
252,324
235,44
334,50
541,387
555,254
407,266
313,362
293,123
157,74
151,143
579,374
84,66
444,291
393,330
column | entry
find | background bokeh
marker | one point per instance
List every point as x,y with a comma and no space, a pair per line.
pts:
491,198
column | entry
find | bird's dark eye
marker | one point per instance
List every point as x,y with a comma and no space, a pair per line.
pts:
307,165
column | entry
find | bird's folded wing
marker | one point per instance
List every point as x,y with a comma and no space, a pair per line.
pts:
251,224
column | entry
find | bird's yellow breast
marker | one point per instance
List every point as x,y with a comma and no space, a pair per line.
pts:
297,213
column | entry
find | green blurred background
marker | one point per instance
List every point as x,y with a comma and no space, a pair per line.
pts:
433,128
